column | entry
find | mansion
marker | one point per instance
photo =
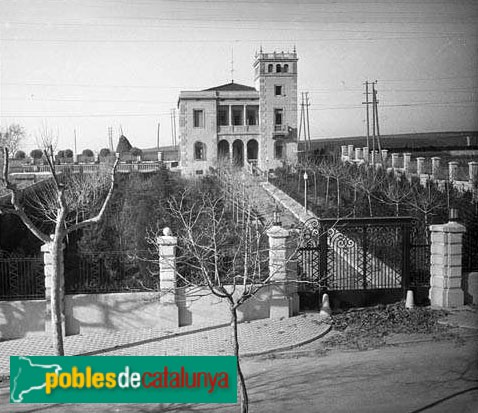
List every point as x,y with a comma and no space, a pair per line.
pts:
238,124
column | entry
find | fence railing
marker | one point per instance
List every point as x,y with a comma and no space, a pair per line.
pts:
112,272
21,278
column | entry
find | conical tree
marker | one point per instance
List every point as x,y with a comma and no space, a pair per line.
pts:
123,145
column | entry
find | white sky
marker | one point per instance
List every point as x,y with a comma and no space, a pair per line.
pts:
91,64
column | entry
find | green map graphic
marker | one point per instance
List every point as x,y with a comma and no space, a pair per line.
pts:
29,377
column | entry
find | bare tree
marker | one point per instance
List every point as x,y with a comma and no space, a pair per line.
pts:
11,137
225,256
66,204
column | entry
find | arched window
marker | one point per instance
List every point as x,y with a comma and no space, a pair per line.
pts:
286,68
199,151
269,68
278,68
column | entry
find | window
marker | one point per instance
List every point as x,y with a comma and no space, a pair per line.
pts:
278,69
286,68
279,150
223,115
269,68
278,116
199,172
278,90
252,115
198,115
199,151
238,115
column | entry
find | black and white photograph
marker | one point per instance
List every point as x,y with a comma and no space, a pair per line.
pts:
221,206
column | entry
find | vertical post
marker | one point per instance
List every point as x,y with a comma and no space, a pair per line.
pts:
446,266
306,177
283,272
47,250
420,165
167,277
406,162
366,153
435,166
395,160
406,241
350,149
384,155
358,154
452,171
473,171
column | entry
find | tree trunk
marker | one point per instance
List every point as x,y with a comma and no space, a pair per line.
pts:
56,305
235,343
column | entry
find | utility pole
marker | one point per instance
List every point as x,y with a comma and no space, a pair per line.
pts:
373,123
157,137
307,104
74,134
302,119
368,117
375,102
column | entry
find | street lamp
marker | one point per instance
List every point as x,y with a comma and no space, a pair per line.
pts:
305,190
276,221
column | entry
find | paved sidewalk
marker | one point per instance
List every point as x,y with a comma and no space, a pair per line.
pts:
463,317
255,337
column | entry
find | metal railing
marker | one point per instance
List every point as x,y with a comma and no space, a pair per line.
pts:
21,278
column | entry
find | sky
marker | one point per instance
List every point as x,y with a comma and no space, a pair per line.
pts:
82,66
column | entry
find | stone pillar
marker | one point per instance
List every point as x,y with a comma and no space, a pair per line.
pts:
395,160
350,149
358,154
167,278
366,153
435,166
160,156
446,272
344,153
420,165
47,249
452,170
473,171
406,162
384,155
284,297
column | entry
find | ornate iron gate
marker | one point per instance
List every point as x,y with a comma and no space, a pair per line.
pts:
373,255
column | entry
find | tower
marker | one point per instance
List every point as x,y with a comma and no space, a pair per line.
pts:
275,77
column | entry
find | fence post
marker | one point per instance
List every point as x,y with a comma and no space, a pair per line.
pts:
284,297
350,149
420,165
395,160
406,162
446,268
358,154
366,153
46,249
167,244
452,170
435,166
344,152
473,171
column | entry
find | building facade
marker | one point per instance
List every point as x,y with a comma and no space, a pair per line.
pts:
237,124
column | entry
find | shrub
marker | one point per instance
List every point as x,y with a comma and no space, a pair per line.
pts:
61,154
20,155
105,152
136,151
68,153
88,153
36,154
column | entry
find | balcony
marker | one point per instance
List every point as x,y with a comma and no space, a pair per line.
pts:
237,129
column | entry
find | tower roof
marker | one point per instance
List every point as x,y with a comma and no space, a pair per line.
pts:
231,87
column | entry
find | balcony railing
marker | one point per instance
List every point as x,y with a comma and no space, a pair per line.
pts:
230,129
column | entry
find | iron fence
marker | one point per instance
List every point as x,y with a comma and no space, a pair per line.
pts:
21,278
111,272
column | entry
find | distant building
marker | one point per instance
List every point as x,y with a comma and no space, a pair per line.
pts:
239,124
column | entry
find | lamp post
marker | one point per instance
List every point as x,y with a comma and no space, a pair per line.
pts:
276,219
305,190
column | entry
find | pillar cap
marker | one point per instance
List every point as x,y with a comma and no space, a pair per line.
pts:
450,227
277,232
167,240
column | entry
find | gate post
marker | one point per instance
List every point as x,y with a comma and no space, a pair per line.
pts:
284,297
445,269
167,278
